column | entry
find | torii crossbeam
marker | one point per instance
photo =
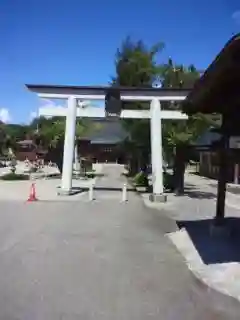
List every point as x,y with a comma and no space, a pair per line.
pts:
74,93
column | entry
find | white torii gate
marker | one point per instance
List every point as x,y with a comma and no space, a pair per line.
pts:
73,93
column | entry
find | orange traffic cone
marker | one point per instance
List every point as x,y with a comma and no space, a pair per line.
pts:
32,196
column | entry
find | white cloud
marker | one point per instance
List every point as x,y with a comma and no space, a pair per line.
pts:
33,115
45,103
236,16
5,115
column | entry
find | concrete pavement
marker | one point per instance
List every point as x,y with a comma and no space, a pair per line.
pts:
215,260
207,188
102,260
46,189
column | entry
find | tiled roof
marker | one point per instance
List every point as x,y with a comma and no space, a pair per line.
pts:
111,132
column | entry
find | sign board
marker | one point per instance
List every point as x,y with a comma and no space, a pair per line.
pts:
113,103
234,142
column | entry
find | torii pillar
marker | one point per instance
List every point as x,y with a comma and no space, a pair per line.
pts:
69,144
156,151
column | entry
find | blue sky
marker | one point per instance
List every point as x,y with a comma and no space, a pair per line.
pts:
74,41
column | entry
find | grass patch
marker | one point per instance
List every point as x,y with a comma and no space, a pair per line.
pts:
14,177
53,176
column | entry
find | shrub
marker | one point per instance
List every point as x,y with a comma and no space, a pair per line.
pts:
13,177
168,181
141,179
91,175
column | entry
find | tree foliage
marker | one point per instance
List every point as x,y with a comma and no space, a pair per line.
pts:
47,134
182,132
10,134
135,63
135,66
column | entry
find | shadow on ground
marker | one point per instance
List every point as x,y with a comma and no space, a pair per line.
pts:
197,194
191,191
212,248
231,189
112,188
77,190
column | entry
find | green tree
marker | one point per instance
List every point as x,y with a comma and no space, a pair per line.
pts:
180,135
49,134
136,66
9,135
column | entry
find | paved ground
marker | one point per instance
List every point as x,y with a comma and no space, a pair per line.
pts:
202,188
110,186
46,189
100,260
215,260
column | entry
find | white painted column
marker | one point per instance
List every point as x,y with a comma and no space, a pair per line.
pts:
76,158
156,146
69,142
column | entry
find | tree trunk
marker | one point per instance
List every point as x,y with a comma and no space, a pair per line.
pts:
55,155
179,169
133,166
144,160
179,179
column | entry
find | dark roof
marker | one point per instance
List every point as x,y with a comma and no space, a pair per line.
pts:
102,90
218,87
110,132
110,141
207,138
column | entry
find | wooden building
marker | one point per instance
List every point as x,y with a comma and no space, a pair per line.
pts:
207,146
105,144
217,92
27,149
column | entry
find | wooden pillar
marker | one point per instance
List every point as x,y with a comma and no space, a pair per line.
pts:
236,172
209,162
222,180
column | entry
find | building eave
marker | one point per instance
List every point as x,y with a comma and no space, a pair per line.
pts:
218,87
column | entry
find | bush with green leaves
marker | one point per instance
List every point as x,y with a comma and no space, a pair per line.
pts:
168,181
141,179
13,177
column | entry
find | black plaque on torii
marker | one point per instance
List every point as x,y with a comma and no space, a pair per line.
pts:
113,103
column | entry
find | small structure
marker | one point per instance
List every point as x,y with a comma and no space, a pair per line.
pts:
27,149
217,91
207,148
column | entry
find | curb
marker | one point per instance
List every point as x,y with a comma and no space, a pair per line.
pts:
195,263
193,260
